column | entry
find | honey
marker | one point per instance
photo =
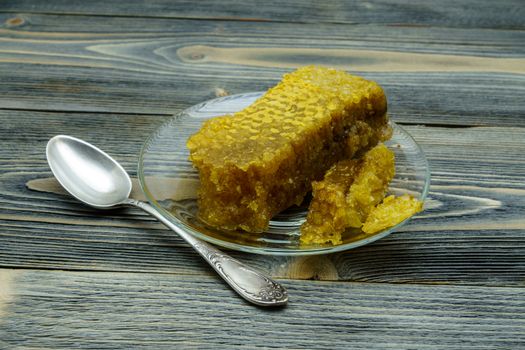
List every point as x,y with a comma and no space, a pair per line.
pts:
263,159
347,194
391,212
327,216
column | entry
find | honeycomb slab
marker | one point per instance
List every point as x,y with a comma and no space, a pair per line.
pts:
263,159
347,195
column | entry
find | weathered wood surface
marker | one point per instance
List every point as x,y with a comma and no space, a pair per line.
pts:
110,72
439,76
472,231
464,14
61,310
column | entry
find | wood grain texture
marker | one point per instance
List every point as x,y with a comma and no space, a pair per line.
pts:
135,65
121,311
6,293
110,72
357,60
471,233
187,188
466,14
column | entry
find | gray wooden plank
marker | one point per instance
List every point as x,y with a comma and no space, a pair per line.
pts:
472,232
44,309
135,65
466,14
480,41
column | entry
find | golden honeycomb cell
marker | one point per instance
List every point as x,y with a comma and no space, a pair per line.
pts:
346,195
263,159
391,212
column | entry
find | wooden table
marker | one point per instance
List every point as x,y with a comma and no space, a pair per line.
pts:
110,72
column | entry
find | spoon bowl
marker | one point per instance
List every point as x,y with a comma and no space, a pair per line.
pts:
88,173
93,177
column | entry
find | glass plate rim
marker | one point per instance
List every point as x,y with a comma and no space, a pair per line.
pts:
256,250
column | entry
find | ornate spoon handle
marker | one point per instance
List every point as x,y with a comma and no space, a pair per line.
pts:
251,284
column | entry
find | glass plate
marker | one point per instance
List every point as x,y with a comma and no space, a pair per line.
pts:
170,184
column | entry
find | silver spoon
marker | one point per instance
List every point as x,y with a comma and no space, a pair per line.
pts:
93,177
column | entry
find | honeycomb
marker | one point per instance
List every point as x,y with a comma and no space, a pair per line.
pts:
263,159
370,185
346,195
327,216
391,212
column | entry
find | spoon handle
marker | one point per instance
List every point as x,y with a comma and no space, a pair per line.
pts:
251,284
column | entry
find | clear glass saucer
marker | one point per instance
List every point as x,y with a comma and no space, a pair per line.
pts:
170,184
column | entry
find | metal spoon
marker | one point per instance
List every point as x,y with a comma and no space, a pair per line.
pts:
93,177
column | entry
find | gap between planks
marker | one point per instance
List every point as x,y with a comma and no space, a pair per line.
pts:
470,14
72,111
190,18
8,273
219,93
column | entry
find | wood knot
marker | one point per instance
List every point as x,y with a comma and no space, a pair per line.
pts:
14,22
196,53
312,268
196,56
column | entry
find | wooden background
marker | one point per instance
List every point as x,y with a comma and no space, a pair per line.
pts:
111,72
